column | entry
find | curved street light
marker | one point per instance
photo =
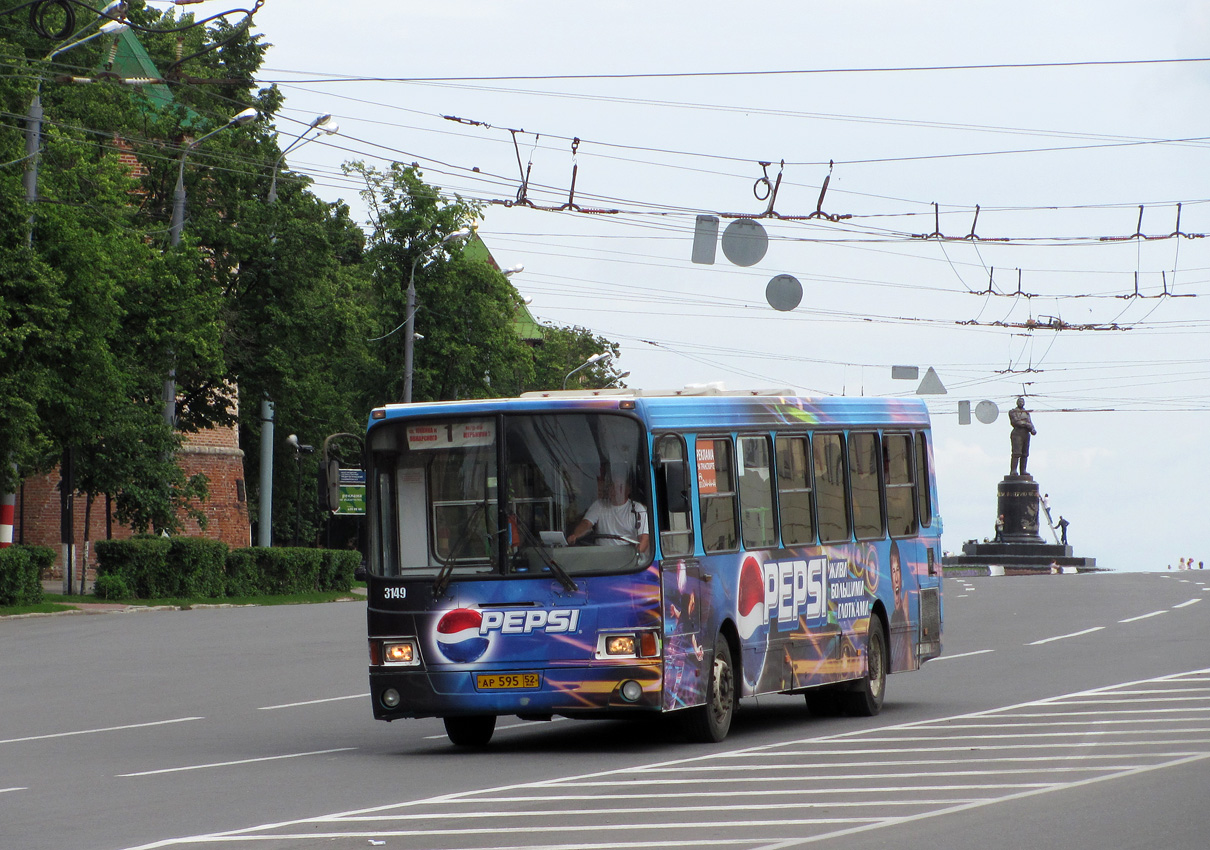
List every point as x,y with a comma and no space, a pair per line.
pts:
178,195
594,359
322,123
409,332
33,118
175,228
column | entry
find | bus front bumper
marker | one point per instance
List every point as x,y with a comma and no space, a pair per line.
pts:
585,690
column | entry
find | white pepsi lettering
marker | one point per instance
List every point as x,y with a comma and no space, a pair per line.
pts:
492,620
394,593
817,600
799,584
796,589
514,622
553,622
785,571
533,619
770,570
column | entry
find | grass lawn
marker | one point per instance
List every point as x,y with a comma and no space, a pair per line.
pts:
53,603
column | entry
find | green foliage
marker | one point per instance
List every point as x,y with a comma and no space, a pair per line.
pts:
200,566
566,348
285,570
159,568
282,300
140,563
194,568
336,571
21,570
112,586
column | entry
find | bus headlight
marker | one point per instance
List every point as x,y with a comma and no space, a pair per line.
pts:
390,698
619,645
400,653
641,644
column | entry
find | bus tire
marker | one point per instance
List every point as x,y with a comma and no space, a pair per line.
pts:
473,731
709,723
864,697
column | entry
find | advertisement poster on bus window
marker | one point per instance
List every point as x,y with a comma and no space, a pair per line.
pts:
707,482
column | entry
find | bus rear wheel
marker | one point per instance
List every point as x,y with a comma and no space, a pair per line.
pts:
474,731
864,698
709,723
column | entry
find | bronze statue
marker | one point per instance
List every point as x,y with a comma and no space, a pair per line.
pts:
1023,427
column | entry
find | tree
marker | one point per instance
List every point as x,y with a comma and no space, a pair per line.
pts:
464,307
566,348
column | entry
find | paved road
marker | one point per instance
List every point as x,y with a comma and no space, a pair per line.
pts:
1068,711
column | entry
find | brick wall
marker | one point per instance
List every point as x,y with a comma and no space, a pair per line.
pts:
215,453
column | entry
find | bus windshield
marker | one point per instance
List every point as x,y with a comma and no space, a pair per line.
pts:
508,495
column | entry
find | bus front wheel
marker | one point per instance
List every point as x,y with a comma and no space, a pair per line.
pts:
864,699
709,723
473,731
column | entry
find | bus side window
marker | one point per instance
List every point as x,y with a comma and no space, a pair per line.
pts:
672,495
716,488
865,482
794,491
924,498
830,496
759,523
897,463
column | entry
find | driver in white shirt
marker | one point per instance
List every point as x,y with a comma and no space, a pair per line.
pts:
615,516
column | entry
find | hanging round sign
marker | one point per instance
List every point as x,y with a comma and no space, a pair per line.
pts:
745,242
784,293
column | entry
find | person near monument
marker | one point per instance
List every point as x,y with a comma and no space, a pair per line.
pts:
1022,429
999,529
1062,523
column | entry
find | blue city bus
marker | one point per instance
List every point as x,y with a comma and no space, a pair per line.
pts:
620,553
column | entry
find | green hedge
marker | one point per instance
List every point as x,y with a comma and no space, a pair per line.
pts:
159,568
21,573
289,570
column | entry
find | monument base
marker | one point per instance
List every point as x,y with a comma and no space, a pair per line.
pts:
1020,550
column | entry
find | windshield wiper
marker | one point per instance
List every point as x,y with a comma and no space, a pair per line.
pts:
447,569
547,558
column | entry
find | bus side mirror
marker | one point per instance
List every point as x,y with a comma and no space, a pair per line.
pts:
676,489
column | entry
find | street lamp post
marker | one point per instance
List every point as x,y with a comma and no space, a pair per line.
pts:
33,147
299,450
177,225
33,118
409,329
178,194
594,359
322,123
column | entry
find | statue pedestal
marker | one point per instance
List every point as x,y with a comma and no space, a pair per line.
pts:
1020,549
1017,501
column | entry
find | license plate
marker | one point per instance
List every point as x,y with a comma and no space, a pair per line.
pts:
506,681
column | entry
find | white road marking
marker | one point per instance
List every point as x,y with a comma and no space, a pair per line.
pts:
6,790
95,731
1143,616
1193,601
794,842
1064,637
928,740
232,763
311,702
962,655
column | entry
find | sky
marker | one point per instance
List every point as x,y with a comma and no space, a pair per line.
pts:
989,171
